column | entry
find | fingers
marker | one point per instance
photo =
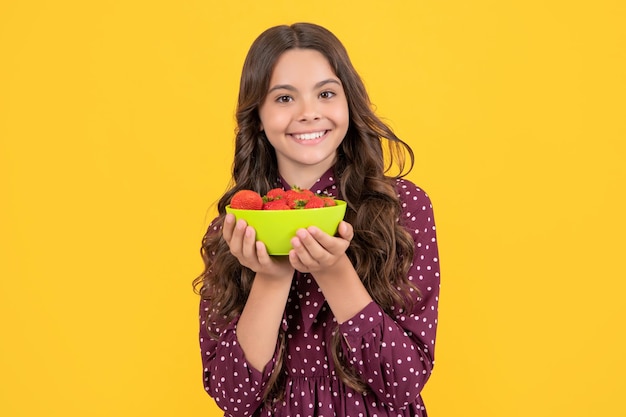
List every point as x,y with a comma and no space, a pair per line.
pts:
228,226
314,250
248,245
346,231
307,251
240,238
296,263
314,239
234,236
261,253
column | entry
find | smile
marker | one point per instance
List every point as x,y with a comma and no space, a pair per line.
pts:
309,136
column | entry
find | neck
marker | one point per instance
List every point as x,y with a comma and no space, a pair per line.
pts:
303,178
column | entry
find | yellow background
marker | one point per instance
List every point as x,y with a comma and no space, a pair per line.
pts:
116,121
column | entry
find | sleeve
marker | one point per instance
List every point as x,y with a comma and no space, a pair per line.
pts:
395,354
236,386
229,379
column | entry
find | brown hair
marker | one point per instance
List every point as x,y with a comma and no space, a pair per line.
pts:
381,250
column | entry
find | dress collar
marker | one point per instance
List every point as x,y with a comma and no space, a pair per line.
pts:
310,299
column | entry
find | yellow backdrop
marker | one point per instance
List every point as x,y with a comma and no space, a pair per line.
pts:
116,121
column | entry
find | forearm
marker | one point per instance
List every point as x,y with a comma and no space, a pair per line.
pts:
257,330
345,293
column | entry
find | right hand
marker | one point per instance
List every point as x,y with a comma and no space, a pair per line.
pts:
241,240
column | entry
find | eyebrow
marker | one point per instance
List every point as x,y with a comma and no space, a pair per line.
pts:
292,88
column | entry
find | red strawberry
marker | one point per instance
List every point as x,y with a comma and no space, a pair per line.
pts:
246,200
314,202
276,205
275,194
297,198
329,201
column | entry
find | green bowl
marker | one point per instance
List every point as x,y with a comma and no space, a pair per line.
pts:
276,228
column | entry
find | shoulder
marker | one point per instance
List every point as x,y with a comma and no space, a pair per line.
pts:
416,208
412,196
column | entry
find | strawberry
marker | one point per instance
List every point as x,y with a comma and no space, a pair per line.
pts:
315,202
276,205
297,198
275,194
246,200
329,201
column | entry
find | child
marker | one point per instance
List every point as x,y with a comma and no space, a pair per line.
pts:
344,325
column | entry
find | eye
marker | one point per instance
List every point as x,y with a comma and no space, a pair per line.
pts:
327,94
284,99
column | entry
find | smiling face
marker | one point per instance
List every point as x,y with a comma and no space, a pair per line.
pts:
304,115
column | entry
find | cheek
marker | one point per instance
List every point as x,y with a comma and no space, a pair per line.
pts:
341,110
343,115
277,121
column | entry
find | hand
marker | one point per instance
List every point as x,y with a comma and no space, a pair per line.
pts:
314,251
241,240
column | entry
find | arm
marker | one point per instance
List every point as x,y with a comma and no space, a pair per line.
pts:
395,354
316,252
257,330
262,314
239,362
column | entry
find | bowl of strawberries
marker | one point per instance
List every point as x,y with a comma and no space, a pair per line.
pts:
277,215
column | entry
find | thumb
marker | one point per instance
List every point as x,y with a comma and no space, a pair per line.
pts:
345,230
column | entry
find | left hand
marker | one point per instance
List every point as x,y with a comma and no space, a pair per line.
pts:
314,250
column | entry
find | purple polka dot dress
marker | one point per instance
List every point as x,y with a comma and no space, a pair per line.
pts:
393,354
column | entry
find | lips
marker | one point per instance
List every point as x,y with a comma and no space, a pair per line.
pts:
309,136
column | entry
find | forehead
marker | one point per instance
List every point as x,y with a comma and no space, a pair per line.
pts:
301,66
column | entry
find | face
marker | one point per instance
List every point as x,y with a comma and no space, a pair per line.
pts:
305,115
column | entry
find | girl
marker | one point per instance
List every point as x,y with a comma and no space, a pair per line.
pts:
344,325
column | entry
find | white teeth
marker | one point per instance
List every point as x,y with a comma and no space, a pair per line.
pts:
310,136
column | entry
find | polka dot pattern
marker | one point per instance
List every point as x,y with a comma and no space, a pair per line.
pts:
393,354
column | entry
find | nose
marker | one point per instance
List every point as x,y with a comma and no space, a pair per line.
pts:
309,110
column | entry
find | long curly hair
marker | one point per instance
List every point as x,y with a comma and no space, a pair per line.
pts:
381,250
